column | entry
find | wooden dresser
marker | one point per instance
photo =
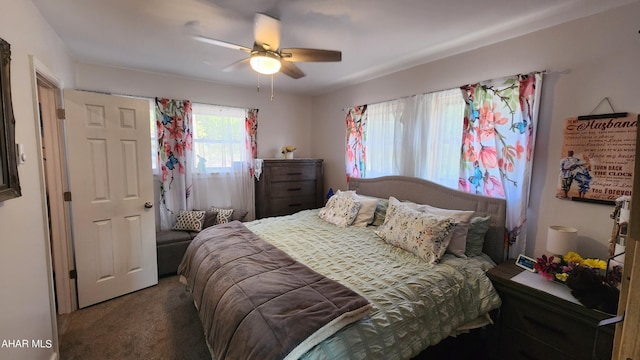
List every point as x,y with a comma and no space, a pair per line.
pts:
535,324
289,185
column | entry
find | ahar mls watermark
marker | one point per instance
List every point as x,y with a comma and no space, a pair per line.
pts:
26,344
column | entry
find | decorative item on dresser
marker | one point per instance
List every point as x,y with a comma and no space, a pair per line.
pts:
540,319
288,186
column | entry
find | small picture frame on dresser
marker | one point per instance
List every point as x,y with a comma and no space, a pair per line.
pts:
526,263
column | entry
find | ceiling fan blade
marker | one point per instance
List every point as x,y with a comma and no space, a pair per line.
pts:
238,65
291,70
310,55
266,30
216,42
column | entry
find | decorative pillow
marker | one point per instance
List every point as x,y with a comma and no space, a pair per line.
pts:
367,210
189,220
381,212
341,209
209,218
423,234
223,216
239,214
478,227
458,242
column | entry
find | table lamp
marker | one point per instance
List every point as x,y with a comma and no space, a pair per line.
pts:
561,239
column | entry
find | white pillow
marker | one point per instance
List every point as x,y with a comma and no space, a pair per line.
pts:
341,209
423,234
367,210
458,244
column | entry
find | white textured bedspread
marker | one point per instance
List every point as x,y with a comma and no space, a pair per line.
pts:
415,304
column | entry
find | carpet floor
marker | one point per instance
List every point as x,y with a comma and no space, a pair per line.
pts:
159,322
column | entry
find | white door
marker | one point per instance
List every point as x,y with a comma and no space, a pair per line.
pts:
110,178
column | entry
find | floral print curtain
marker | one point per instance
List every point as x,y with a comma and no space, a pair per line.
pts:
497,146
356,134
175,158
251,127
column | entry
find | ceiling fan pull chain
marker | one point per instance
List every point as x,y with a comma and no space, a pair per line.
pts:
258,89
271,87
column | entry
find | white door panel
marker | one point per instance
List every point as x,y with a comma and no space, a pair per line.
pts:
110,180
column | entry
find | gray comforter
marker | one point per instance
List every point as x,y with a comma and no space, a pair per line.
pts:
256,302
415,304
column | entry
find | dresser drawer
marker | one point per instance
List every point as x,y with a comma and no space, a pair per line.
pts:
293,172
543,323
519,346
293,188
285,206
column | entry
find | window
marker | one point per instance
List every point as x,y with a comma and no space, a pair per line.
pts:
416,136
219,137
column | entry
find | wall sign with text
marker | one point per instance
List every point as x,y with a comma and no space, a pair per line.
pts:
598,157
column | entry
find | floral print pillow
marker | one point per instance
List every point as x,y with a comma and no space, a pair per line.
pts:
341,209
424,235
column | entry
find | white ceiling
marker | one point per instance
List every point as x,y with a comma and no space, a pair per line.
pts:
376,37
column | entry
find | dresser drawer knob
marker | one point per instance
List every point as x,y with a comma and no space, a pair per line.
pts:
294,189
294,173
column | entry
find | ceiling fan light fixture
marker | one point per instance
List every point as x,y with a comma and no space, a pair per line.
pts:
265,63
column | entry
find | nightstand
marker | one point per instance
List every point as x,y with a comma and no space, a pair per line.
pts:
540,319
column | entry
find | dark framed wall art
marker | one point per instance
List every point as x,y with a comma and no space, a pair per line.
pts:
9,182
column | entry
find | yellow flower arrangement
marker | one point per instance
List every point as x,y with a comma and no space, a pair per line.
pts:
595,264
573,258
588,279
561,270
288,149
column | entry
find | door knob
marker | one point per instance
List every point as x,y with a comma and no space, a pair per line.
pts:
148,205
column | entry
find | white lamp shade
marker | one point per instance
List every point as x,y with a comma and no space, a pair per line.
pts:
561,239
265,64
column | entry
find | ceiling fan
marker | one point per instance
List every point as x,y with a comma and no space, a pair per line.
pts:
266,57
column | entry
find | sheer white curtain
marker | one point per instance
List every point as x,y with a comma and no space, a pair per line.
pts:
222,177
417,136
380,139
232,189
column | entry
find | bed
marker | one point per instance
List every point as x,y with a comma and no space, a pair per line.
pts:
390,303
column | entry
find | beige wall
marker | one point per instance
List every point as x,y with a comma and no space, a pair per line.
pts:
25,307
587,60
283,121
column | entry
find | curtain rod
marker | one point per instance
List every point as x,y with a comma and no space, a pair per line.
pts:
408,96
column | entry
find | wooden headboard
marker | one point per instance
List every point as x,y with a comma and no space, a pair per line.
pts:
426,192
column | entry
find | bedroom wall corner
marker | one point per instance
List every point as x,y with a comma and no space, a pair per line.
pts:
26,310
